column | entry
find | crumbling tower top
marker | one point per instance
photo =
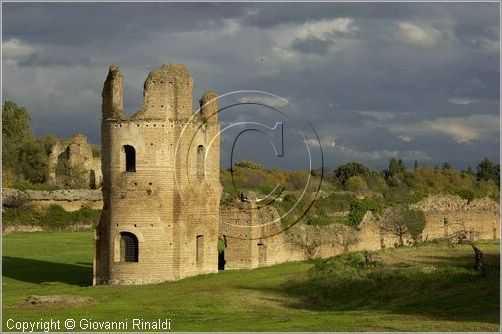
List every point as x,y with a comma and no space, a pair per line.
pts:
167,93
112,94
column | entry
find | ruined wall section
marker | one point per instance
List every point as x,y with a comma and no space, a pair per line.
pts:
301,242
167,94
75,152
448,214
254,237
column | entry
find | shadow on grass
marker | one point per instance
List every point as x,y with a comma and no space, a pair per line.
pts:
450,289
38,271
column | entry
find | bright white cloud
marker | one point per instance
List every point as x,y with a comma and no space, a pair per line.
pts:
326,142
321,30
13,50
356,154
422,35
460,129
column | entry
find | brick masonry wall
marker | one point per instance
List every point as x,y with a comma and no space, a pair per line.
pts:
481,217
171,201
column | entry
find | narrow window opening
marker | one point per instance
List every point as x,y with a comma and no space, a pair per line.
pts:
128,247
199,245
221,253
200,161
92,179
130,158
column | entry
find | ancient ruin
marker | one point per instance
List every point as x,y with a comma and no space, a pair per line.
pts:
73,160
162,218
161,190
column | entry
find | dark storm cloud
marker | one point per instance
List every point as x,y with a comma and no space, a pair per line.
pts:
37,60
420,80
311,45
75,23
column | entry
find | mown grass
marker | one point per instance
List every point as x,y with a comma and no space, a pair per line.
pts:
427,288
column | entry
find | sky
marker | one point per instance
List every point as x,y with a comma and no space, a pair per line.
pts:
374,80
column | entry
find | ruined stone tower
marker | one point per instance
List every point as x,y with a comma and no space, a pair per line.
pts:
161,189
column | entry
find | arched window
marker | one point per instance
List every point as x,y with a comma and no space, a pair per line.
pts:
200,160
128,247
130,158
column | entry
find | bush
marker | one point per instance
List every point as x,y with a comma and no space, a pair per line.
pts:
54,217
467,194
248,164
72,176
23,154
356,183
345,171
358,209
402,222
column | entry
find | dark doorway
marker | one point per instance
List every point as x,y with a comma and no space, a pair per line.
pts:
221,254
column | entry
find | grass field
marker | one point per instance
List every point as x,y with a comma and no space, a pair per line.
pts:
427,288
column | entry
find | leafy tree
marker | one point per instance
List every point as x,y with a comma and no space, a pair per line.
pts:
24,157
33,162
396,166
415,165
446,165
358,209
469,171
15,133
248,164
486,171
402,222
345,171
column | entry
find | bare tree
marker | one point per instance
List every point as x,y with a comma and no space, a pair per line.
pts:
463,235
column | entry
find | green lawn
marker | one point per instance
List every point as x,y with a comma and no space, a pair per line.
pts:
427,288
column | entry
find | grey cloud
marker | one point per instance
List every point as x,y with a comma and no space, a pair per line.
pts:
231,46
311,45
37,60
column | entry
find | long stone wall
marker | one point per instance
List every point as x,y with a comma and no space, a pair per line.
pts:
252,241
447,214
253,248
70,200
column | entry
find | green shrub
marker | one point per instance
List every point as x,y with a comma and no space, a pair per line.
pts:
248,164
467,194
359,207
53,217
356,183
343,172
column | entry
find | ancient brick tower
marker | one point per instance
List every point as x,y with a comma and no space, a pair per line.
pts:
161,188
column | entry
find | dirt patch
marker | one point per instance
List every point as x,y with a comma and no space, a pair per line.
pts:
54,301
